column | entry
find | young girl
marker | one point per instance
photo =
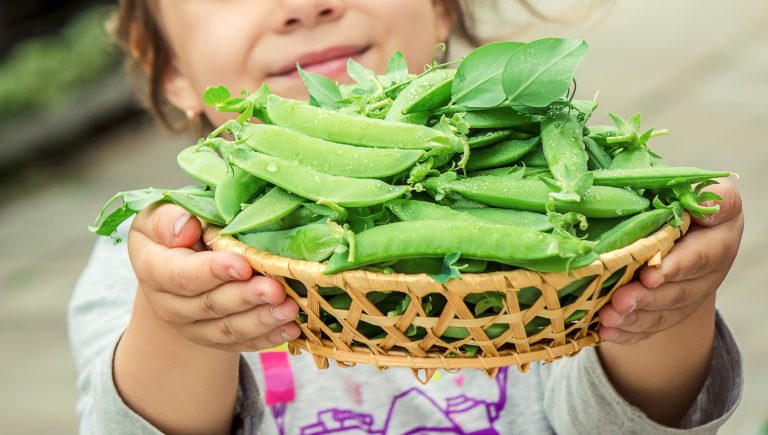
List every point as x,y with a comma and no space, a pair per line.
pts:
164,333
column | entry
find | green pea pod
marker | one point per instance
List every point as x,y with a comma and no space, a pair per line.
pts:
563,146
314,185
535,158
329,157
425,93
200,206
434,265
493,242
518,218
633,229
272,206
356,130
313,242
598,157
632,159
500,154
500,117
236,188
489,137
203,165
410,210
533,195
654,178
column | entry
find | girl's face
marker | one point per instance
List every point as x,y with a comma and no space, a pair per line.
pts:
243,43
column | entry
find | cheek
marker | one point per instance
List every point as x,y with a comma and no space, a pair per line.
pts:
408,26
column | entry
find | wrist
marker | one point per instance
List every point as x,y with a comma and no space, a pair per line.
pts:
175,384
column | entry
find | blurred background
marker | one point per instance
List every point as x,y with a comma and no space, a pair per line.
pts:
71,135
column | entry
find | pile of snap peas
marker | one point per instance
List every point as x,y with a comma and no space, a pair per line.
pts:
483,166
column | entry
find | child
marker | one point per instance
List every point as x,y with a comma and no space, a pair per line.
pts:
164,332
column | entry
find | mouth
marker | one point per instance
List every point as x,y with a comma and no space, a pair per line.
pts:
328,62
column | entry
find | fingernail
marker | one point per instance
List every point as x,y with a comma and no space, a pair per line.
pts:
179,224
234,274
277,314
286,336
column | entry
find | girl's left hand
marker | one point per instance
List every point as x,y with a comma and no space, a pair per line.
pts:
688,277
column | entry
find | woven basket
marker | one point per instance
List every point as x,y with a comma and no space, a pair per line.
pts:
513,347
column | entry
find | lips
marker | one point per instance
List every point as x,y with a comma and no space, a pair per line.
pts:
329,62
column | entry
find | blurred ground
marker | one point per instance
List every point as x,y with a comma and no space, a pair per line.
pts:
699,69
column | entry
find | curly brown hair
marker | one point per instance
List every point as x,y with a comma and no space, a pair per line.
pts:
135,28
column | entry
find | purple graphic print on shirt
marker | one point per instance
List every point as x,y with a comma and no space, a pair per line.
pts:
460,415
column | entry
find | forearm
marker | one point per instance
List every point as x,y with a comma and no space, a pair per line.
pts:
664,374
178,386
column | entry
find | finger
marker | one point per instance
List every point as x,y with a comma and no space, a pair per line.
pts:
271,339
245,326
624,338
667,296
697,253
168,225
730,206
645,320
183,271
230,298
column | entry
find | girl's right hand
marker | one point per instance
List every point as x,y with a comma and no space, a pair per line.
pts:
211,298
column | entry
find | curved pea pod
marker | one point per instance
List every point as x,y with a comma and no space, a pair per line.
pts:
518,218
563,146
203,207
314,185
500,154
411,210
425,93
490,137
356,130
532,194
313,242
598,157
329,157
535,158
655,177
633,229
499,117
236,188
203,165
269,208
631,159
506,244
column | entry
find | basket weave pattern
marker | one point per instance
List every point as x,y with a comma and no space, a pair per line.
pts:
513,347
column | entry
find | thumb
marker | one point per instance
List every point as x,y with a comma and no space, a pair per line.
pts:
730,206
169,225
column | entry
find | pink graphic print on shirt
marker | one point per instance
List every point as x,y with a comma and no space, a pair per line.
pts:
460,415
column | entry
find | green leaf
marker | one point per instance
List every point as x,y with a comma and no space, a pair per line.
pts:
360,74
216,95
138,200
449,271
490,300
541,71
478,79
323,92
397,68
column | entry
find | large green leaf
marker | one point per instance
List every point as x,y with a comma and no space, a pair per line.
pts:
478,80
541,71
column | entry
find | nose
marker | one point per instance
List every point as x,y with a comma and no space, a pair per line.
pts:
309,13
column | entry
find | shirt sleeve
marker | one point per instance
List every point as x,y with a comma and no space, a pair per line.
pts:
99,311
579,398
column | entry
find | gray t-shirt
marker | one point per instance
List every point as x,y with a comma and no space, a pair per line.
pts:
570,396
